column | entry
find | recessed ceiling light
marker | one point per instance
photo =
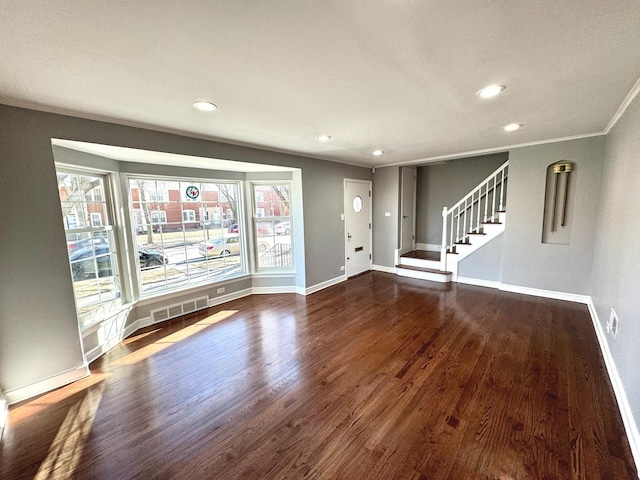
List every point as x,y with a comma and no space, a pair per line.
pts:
205,106
512,127
377,153
324,138
490,91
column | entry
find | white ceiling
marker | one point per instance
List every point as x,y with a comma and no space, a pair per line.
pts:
399,75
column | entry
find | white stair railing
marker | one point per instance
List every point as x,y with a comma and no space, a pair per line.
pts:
481,205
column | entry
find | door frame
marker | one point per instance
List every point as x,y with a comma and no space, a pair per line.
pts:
402,250
346,205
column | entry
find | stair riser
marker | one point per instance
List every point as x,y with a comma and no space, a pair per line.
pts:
418,262
434,277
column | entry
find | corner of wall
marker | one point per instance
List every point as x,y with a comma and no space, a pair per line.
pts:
630,425
4,411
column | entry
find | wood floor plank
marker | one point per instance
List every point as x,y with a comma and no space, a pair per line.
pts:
379,377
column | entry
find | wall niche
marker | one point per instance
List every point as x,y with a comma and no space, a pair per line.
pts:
558,202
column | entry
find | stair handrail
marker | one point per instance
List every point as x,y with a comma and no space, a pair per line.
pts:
450,233
480,185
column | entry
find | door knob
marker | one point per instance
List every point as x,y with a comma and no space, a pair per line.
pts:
349,236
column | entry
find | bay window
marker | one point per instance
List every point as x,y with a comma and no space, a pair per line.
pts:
182,235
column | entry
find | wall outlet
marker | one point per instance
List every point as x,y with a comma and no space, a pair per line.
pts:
342,268
220,290
612,325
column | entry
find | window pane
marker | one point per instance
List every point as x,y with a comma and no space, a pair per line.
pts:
272,200
91,248
177,227
273,228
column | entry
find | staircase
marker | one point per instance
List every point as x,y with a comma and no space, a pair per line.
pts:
474,221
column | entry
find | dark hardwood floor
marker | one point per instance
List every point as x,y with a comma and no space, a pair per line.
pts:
380,377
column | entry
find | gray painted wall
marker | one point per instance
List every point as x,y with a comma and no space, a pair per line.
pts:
527,262
485,263
443,185
39,334
386,198
616,265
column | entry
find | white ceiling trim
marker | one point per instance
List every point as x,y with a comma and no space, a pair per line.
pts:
487,151
623,106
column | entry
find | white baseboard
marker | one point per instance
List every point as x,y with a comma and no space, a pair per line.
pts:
271,290
43,386
323,285
4,412
479,282
630,425
536,292
382,268
429,247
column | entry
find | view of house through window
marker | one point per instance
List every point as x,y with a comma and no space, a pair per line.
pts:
90,244
186,232
272,225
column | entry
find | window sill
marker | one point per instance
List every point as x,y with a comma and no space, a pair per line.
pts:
92,327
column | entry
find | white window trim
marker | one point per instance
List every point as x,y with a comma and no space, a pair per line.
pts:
256,241
202,205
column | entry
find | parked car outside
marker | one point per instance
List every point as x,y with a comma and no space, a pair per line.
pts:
87,242
150,259
220,247
283,227
83,267
233,228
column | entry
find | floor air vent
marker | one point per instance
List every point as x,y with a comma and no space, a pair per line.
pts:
178,309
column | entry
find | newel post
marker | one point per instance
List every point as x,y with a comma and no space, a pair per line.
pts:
443,251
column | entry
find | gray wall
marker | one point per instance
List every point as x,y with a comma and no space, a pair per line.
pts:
616,265
527,262
485,263
386,198
39,334
441,186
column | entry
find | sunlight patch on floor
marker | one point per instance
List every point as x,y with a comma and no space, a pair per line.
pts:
66,449
158,346
24,411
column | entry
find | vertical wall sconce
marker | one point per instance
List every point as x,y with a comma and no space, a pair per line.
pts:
558,203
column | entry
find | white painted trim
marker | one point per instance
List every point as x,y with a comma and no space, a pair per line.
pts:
441,277
484,151
623,106
323,285
536,292
429,247
479,282
4,412
271,290
630,425
59,380
382,268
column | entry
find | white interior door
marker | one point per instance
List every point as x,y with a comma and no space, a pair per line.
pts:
407,209
357,208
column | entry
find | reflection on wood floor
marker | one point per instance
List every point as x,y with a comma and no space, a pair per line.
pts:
380,377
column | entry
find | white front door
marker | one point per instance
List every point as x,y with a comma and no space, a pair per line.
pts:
357,208
407,209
